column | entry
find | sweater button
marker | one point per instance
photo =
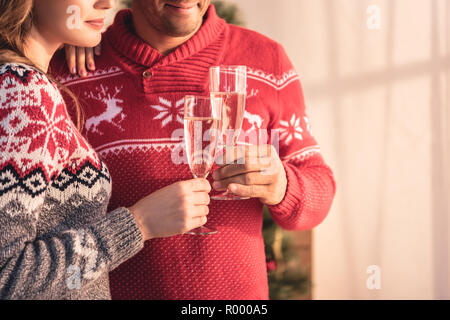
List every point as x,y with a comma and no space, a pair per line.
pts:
147,74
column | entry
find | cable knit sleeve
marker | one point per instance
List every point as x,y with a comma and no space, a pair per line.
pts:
310,183
48,258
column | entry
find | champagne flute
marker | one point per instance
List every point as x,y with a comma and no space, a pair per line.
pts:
229,83
201,130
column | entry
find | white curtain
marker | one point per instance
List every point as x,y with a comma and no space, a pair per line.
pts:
379,102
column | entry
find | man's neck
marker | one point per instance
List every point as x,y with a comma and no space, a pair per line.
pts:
165,44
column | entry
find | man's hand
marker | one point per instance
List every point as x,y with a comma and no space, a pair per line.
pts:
80,59
257,172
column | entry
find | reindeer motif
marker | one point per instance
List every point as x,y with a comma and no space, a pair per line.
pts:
255,120
112,109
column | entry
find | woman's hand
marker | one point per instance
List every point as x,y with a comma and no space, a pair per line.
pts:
80,59
173,210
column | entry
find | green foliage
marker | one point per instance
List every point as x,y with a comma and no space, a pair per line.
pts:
287,280
127,3
229,12
290,284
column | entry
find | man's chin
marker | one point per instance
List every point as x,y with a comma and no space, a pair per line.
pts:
181,30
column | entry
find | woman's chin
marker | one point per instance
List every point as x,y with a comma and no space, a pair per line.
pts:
88,41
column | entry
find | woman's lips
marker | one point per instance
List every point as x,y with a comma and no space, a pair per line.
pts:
96,24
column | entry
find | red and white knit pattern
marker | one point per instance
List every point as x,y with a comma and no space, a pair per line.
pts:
54,191
36,132
134,119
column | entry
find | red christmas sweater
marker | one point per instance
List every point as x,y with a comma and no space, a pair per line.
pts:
133,104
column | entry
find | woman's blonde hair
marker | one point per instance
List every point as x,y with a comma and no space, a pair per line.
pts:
16,21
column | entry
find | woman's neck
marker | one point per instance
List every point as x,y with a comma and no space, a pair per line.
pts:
40,50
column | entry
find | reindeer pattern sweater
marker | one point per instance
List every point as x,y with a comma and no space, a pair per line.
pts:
134,110
56,241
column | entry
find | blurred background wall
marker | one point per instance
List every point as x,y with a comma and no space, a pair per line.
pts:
378,93
376,78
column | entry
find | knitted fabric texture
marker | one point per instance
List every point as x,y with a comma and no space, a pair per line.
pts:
56,241
134,110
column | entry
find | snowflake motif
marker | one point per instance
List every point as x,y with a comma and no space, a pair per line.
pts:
168,112
12,121
308,125
47,123
291,130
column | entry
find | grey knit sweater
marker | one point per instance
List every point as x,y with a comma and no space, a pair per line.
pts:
56,239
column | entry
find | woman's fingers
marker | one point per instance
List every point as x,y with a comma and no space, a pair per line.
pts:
201,198
197,185
71,58
90,63
199,211
196,223
81,61
98,49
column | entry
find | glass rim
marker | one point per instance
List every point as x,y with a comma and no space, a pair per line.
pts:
228,67
192,96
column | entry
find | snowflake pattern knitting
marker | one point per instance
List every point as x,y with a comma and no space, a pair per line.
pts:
54,191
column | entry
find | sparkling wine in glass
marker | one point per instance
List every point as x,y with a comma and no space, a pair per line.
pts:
202,117
230,84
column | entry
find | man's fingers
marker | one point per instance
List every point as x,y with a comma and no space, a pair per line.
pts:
71,58
90,63
231,170
252,191
245,153
251,178
81,61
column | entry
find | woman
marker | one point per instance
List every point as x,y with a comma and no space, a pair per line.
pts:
56,240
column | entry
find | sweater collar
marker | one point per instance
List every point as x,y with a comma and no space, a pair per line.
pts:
123,38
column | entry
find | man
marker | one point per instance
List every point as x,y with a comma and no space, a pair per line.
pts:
151,58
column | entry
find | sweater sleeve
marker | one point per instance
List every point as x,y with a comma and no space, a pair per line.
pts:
46,267
310,183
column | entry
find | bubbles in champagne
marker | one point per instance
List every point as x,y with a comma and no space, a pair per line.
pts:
201,140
